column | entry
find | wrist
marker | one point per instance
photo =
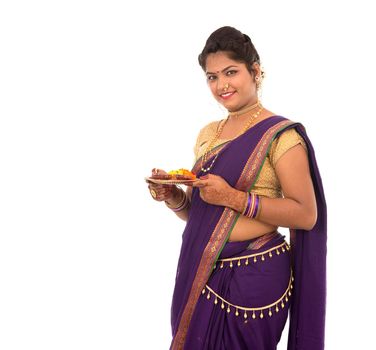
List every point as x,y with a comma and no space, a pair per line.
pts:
179,200
236,199
176,196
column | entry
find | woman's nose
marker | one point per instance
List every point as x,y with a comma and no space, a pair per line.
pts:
222,85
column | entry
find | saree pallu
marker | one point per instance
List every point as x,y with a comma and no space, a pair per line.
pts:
199,324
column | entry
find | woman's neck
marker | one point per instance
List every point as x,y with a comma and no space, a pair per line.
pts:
244,110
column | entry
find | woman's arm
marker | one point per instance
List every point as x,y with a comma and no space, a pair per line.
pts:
176,198
296,210
298,207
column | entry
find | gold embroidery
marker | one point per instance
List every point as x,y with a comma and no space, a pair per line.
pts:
267,183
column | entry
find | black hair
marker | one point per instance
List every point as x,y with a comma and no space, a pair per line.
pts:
237,45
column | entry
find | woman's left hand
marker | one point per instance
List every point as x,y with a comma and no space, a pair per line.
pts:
214,189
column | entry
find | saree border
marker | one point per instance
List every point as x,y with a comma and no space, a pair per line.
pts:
223,229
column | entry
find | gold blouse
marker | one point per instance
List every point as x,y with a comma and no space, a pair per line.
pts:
267,184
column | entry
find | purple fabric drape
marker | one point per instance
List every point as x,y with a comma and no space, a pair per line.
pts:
307,315
200,234
256,284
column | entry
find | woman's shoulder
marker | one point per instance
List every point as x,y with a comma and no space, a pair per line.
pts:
285,140
211,126
206,133
209,129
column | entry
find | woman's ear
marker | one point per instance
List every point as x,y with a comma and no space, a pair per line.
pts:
256,70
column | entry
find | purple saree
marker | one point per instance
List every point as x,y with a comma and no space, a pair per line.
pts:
236,295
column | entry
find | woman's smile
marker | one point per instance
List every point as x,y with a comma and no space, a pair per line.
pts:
227,95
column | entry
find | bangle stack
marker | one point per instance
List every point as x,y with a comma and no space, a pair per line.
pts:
181,205
252,206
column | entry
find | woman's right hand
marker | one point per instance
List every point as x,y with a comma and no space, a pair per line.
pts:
160,192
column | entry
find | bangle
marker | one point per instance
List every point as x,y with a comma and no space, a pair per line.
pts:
181,205
247,204
252,206
259,208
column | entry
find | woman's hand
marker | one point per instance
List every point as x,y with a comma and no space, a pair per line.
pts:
214,190
161,192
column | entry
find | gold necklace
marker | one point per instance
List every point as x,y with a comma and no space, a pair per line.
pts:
204,158
244,111
209,148
251,120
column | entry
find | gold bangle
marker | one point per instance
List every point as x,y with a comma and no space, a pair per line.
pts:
181,202
258,209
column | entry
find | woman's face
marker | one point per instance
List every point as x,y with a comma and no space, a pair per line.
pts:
230,82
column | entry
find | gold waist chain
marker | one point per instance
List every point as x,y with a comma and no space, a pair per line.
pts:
269,309
253,257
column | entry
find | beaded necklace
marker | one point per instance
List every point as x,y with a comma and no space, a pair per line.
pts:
204,158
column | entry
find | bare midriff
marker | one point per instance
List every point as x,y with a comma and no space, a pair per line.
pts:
246,228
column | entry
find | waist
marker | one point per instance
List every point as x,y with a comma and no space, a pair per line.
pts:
245,229
253,245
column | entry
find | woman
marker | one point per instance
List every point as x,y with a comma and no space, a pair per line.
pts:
236,276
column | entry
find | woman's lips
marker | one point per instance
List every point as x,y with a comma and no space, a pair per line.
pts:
227,95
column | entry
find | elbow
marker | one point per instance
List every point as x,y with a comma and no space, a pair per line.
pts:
310,219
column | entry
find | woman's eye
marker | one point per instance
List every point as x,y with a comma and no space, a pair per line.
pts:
211,77
231,72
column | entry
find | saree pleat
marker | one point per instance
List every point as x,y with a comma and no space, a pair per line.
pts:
256,284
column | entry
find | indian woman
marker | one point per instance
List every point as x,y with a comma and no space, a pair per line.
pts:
237,277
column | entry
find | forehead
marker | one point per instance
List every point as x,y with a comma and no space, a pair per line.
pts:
216,62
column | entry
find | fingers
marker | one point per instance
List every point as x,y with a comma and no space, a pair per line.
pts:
200,183
160,192
159,186
156,171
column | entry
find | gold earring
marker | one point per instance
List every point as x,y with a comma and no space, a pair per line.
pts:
258,82
258,87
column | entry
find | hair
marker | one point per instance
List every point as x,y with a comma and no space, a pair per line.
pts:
237,45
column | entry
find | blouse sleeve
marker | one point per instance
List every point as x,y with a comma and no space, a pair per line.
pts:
203,137
283,143
196,146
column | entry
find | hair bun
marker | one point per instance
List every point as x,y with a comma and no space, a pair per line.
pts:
246,38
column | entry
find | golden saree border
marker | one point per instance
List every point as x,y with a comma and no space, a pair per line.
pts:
256,160
223,228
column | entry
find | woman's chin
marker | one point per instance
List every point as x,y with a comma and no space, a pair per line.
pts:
231,107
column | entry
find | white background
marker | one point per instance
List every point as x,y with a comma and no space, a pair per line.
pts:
93,94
